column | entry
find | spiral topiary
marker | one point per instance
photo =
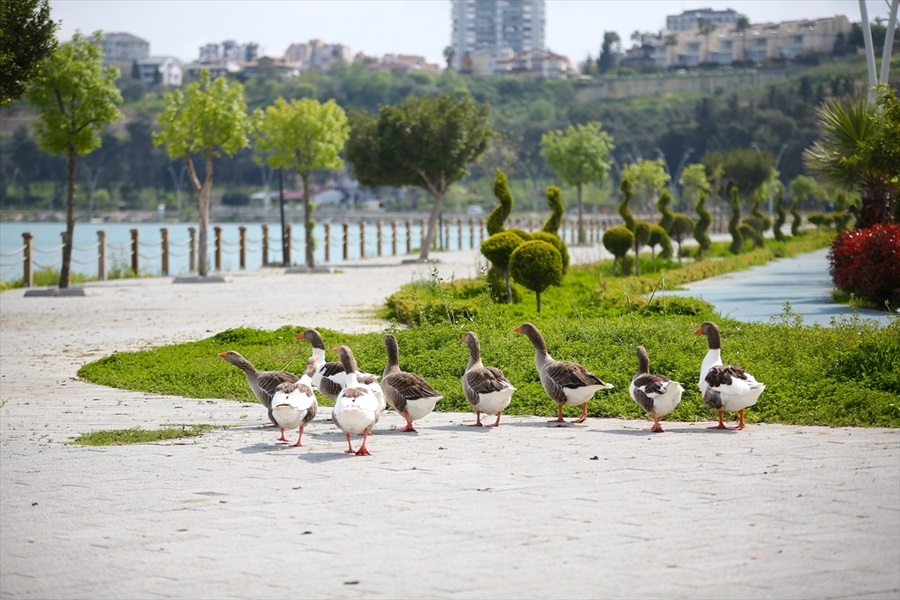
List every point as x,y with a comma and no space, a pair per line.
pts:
798,218
554,201
780,215
627,194
502,211
537,265
682,226
734,224
704,243
665,198
618,241
659,237
763,219
498,249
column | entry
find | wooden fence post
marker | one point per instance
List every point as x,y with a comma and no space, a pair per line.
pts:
408,237
135,251
101,255
218,234
346,241
265,245
286,243
242,233
192,252
393,238
28,264
362,239
378,238
327,242
164,242
459,233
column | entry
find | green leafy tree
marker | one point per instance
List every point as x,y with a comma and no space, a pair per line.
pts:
694,182
682,226
426,142
742,167
701,228
648,177
303,136
609,52
780,215
618,240
579,155
851,152
77,98
209,118
734,224
449,53
504,206
882,151
27,38
705,27
498,249
803,187
537,265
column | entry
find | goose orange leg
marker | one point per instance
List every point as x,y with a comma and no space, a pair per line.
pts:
656,428
559,419
721,425
349,449
583,416
740,424
477,422
497,422
409,424
282,438
362,449
299,439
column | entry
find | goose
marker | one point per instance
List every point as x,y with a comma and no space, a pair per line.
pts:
656,394
262,383
294,404
564,382
329,377
363,379
356,409
486,388
725,387
407,393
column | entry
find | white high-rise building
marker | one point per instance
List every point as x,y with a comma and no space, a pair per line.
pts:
517,25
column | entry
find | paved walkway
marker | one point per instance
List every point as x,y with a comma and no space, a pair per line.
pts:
525,510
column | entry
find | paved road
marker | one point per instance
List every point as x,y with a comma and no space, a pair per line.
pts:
525,510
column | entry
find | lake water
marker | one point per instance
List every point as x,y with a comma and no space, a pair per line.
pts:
47,245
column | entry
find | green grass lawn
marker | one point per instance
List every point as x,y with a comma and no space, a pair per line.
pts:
844,374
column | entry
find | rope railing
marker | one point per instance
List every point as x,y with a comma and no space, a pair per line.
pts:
338,241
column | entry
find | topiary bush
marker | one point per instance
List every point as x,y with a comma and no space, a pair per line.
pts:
758,197
682,226
816,218
866,262
618,241
668,217
754,230
502,211
734,224
641,237
627,194
798,218
780,215
498,249
537,265
556,242
659,237
704,242
554,201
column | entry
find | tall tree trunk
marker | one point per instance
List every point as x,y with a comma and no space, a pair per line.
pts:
876,204
203,199
307,222
432,224
70,221
538,294
581,236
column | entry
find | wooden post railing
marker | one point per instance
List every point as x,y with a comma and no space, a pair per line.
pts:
346,242
101,255
28,263
242,233
265,245
362,239
218,235
327,242
164,242
192,250
135,251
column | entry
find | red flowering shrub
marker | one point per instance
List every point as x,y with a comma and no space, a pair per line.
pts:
866,262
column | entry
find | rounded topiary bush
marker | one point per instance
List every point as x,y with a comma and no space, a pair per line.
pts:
865,262
618,241
557,243
498,249
525,236
537,265
816,218
659,237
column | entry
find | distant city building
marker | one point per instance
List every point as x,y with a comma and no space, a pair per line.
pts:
161,71
318,55
403,63
690,19
515,24
228,50
537,63
123,48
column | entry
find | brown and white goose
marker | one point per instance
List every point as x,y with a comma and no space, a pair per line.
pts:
656,394
262,383
356,409
364,379
486,388
329,377
407,393
564,382
725,387
294,405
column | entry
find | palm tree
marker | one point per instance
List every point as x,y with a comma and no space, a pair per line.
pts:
845,126
449,53
741,26
705,27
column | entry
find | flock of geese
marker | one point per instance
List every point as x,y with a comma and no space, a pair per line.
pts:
359,398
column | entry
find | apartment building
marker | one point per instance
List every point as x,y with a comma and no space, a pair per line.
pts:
518,25
690,19
318,55
166,71
121,48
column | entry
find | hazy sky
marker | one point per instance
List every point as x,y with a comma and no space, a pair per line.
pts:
377,27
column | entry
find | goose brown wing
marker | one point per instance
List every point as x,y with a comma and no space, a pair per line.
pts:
571,375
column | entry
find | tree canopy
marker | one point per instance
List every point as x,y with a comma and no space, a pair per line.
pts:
27,37
426,142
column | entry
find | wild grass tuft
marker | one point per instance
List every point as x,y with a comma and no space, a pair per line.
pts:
120,437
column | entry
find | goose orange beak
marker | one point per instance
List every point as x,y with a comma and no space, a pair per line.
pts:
518,329
698,332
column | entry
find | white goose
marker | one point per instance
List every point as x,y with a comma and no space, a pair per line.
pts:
564,382
329,377
725,387
486,388
407,393
262,383
294,405
364,379
656,394
356,409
